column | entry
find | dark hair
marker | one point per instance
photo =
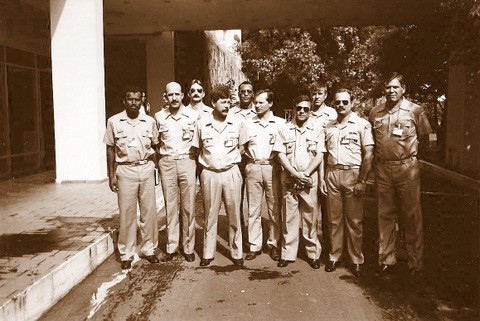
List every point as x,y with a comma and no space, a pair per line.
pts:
132,89
399,77
195,81
220,92
270,95
301,98
246,82
345,90
317,85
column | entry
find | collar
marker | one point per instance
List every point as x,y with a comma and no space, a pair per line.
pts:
124,117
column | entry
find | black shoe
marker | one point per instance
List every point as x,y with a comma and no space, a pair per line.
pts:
357,270
205,262
152,259
252,255
168,257
314,263
127,264
274,253
237,262
190,257
383,269
331,266
283,263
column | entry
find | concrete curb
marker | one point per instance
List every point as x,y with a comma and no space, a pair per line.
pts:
37,298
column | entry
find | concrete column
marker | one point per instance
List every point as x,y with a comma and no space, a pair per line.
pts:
160,67
78,89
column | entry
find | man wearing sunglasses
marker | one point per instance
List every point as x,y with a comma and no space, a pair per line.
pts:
349,143
176,126
300,147
398,125
196,93
245,109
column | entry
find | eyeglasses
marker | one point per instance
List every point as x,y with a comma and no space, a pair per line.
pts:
199,90
342,102
246,91
300,108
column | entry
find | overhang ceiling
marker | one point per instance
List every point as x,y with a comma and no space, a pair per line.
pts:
124,17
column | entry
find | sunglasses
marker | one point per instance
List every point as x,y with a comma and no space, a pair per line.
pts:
300,108
246,91
342,102
199,90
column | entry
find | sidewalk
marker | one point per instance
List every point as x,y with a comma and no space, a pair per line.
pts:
51,237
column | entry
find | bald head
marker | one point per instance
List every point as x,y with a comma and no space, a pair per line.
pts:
173,95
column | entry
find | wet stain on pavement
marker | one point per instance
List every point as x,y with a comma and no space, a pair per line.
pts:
259,275
64,234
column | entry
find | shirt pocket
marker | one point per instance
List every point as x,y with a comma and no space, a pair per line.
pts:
378,126
147,136
408,128
163,132
120,139
187,131
231,139
312,145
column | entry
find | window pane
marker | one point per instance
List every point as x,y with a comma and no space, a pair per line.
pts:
46,102
20,57
21,106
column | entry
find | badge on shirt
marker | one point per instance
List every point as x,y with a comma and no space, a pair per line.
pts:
229,143
397,131
345,140
186,134
272,139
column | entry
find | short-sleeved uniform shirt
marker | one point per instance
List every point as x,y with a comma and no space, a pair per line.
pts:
300,144
396,131
219,142
176,131
243,113
346,141
324,115
133,138
201,109
262,134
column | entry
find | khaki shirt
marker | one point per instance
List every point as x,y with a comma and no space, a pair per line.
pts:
396,131
262,134
176,131
247,113
300,144
219,142
201,109
133,138
324,115
345,141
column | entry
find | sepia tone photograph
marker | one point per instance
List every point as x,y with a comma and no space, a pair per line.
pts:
239,160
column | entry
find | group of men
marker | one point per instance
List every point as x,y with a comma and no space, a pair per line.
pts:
246,152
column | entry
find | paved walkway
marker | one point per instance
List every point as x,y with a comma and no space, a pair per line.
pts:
43,225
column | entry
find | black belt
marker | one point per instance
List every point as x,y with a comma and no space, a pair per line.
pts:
397,162
219,170
343,167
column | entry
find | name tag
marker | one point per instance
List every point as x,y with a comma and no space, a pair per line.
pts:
345,141
397,132
229,143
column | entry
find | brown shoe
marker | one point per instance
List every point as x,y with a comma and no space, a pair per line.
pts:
274,253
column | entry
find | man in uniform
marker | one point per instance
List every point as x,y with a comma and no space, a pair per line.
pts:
349,144
262,175
176,126
398,124
219,139
323,115
131,140
245,109
300,148
196,94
